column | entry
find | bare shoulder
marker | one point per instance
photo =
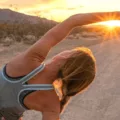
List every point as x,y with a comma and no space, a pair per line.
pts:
21,65
46,102
52,102
51,110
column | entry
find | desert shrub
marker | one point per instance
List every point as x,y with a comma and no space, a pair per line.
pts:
18,31
29,39
7,41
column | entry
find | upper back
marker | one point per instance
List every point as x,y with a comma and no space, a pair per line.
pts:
43,99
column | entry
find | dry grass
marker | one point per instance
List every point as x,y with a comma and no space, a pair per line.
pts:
29,33
17,32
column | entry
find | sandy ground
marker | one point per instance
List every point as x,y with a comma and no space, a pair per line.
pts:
101,100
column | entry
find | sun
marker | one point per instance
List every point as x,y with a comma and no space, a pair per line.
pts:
110,29
111,24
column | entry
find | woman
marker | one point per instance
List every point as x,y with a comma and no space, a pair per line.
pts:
71,70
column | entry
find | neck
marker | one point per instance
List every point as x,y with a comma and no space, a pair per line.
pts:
52,67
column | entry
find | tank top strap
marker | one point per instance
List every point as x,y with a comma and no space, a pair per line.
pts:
26,77
35,87
27,89
38,87
33,73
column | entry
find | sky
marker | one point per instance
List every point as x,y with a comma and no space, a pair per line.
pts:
59,10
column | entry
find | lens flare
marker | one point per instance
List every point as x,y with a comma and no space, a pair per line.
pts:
111,24
111,28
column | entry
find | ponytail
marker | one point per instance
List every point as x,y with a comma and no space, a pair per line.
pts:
63,102
65,97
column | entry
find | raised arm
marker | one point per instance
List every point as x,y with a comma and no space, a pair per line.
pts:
89,18
41,48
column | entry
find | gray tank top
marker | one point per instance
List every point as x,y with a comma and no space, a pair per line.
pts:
12,93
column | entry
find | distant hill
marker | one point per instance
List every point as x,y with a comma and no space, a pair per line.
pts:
13,16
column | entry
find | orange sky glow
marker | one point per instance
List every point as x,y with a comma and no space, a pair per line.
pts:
59,10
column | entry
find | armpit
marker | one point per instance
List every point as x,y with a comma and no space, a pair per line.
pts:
35,56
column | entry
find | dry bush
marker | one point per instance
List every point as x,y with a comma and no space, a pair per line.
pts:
29,39
7,41
24,31
88,34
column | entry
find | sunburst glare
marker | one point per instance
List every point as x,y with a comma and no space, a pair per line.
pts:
110,28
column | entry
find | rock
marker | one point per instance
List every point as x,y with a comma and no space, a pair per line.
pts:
29,39
70,37
7,41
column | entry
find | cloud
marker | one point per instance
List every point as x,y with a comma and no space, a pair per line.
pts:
44,8
22,4
26,2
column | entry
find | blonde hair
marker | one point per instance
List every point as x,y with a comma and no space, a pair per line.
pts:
77,73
